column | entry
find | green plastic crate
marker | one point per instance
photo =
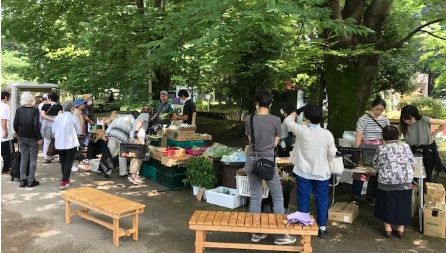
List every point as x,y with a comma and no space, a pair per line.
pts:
185,144
171,177
148,171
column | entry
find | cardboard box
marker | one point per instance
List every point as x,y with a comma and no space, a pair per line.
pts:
202,137
170,161
159,153
435,199
434,220
434,189
343,212
182,134
225,197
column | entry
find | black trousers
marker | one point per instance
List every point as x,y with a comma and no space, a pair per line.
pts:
66,157
7,150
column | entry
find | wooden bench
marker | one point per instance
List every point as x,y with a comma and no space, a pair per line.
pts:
104,203
203,221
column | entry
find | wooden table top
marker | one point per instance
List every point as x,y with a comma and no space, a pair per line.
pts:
246,220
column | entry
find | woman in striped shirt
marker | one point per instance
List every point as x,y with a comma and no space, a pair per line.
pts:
369,132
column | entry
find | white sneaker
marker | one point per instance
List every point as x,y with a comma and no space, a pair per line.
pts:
74,168
131,180
258,237
286,239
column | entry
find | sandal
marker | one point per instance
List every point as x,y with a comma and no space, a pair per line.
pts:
387,233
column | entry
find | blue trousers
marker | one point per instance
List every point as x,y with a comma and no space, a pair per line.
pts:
320,189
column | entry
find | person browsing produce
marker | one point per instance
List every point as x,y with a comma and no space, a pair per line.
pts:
417,133
368,132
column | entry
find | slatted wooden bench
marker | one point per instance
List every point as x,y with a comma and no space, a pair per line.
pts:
104,203
204,221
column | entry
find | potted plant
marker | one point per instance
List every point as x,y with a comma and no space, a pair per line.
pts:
200,173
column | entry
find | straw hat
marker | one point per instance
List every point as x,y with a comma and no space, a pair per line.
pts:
86,97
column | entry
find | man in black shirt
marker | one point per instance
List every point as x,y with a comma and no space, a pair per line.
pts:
188,108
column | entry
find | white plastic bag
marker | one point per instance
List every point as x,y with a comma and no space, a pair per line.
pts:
337,166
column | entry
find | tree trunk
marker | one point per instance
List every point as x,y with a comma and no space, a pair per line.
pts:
348,88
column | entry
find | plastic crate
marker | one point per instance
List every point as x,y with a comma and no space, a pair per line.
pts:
225,197
368,153
244,189
350,156
148,171
140,150
185,144
171,177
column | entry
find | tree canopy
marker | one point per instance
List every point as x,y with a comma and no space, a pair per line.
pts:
352,49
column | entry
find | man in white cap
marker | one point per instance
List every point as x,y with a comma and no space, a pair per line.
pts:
162,107
44,101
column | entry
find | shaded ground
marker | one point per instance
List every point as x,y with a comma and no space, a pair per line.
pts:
33,219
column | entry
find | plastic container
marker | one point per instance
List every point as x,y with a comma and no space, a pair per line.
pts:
225,197
185,144
244,189
368,153
350,156
148,171
94,165
139,150
171,177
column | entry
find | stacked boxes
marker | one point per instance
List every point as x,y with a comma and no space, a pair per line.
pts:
434,221
186,134
435,193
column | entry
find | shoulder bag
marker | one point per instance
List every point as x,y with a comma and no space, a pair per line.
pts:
263,168
375,121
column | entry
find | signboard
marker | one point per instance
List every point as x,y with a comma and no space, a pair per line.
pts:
179,108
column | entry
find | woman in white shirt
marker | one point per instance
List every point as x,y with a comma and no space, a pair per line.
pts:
313,150
66,128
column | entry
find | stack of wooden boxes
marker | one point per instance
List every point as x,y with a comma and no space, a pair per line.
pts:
434,214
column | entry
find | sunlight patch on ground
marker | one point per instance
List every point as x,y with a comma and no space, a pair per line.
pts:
29,196
51,195
47,233
47,207
153,193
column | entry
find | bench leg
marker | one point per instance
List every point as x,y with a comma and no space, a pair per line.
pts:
135,226
200,238
67,212
115,232
306,243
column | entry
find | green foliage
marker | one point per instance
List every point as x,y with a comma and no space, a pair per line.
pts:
200,172
427,106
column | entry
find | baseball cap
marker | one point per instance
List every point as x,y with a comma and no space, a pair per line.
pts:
163,92
79,102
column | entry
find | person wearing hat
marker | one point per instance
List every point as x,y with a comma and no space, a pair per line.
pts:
287,139
162,107
88,112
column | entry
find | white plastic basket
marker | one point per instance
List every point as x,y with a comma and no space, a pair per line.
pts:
244,189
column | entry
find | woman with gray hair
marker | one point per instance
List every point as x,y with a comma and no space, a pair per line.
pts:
66,128
26,125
